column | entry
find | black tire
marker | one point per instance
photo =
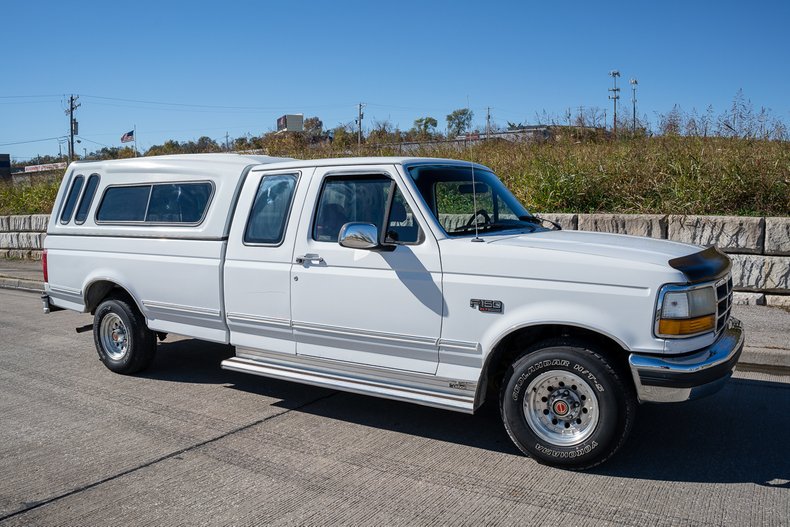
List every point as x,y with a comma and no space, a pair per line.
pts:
589,406
123,341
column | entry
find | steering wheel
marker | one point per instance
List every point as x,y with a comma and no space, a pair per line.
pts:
481,212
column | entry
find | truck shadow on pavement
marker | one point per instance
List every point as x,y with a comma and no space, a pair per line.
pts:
735,436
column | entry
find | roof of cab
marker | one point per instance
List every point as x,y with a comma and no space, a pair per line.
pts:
179,159
346,161
243,160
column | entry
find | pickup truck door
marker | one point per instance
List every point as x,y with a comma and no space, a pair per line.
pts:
380,307
257,271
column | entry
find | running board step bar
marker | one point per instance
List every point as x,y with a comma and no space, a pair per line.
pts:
338,381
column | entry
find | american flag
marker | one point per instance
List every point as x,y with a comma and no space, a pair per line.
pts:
128,137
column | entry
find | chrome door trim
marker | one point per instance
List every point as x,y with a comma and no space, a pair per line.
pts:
178,308
310,327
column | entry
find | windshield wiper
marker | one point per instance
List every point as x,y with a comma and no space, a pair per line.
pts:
490,227
537,220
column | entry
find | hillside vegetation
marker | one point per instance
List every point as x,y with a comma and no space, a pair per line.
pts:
666,174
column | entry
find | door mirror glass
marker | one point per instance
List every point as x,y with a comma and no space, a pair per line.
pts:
357,235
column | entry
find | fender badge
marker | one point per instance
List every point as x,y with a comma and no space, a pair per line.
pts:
487,306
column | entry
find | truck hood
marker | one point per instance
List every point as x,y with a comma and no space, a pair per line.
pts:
618,246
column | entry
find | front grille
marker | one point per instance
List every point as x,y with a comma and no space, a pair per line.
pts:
723,302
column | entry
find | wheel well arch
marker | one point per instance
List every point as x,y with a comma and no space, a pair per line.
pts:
514,343
98,290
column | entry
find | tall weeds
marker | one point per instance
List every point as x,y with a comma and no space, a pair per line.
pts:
666,174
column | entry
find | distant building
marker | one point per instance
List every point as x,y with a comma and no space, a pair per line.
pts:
5,167
290,123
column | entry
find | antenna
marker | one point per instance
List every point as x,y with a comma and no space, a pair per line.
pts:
474,183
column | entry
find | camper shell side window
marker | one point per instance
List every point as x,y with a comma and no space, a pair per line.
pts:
172,203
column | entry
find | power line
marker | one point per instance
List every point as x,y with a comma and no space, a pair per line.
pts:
31,141
212,106
27,96
81,138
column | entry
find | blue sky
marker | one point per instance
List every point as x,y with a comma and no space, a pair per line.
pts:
404,59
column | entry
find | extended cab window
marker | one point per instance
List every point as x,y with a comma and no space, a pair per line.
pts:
365,199
269,214
161,203
87,198
71,200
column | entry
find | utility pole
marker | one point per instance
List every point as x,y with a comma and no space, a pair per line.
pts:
227,144
634,83
614,97
488,122
73,125
360,116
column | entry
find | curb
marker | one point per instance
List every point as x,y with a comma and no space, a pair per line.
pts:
23,284
766,360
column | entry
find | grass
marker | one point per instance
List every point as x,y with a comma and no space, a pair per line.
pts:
666,175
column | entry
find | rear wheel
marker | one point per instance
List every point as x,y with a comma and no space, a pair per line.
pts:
123,341
564,404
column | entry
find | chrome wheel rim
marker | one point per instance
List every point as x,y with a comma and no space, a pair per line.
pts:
561,408
114,336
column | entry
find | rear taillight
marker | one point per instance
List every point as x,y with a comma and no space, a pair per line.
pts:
44,265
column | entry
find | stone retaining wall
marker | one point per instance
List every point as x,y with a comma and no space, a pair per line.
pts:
759,247
23,236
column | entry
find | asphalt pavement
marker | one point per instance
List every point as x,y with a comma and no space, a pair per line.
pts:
187,443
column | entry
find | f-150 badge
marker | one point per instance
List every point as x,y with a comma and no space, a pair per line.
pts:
487,306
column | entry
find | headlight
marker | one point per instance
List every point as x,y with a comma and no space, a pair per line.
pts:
686,312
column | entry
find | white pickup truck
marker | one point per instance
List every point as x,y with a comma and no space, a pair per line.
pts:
421,280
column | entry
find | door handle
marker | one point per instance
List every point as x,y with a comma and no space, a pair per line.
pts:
309,258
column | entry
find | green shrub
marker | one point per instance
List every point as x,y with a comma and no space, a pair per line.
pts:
35,198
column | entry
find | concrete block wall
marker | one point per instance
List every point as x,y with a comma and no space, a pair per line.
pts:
23,236
759,246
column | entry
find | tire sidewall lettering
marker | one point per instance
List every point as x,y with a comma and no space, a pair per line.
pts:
566,454
540,365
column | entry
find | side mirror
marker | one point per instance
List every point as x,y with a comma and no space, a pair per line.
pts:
357,235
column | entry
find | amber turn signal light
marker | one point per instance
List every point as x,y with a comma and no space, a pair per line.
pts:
688,326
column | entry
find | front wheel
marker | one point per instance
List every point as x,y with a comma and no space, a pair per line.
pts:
123,341
565,405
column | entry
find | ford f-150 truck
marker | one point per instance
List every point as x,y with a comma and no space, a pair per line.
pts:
421,280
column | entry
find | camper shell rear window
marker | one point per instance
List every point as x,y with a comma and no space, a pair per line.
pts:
156,204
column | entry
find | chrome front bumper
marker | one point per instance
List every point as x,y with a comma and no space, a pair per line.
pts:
677,379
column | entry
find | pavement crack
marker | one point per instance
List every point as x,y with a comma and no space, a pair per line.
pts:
29,506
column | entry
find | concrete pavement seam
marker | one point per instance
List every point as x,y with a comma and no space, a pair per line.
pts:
147,464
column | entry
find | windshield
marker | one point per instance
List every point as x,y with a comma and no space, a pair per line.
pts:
458,205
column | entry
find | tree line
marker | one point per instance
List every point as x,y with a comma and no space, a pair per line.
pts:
740,120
